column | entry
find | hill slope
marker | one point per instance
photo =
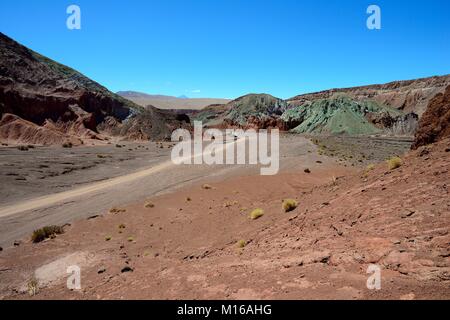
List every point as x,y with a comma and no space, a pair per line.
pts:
40,95
408,96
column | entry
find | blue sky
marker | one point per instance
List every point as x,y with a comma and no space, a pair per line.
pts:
227,48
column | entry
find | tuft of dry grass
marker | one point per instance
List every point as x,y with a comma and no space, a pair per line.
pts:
117,210
45,233
33,287
394,163
256,214
370,167
130,239
122,226
108,238
241,244
289,205
149,205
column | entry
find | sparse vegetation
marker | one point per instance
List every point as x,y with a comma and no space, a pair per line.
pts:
149,205
289,205
117,210
108,238
241,244
256,214
130,239
45,233
394,163
122,226
33,287
370,167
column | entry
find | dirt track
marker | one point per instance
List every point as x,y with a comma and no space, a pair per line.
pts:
47,203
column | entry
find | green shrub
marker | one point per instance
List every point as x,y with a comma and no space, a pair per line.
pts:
241,244
289,205
256,214
45,233
394,163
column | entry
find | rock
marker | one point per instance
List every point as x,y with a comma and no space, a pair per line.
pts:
435,122
17,243
102,270
409,296
127,269
307,170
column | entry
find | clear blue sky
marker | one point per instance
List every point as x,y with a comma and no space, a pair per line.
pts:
227,48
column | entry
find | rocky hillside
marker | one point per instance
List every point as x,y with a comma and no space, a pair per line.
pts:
341,114
435,122
41,95
408,96
249,111
338,114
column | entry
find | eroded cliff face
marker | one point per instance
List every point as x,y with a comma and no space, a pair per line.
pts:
435,122
411,96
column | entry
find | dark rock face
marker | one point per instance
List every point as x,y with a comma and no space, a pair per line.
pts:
435,123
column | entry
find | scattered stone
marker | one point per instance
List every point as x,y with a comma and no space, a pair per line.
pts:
307,170
127,269
1,249
102,270
17,243
207,187
93,217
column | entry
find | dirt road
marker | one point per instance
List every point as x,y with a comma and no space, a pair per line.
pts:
19,218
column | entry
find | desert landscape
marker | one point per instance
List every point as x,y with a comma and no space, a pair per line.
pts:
87,180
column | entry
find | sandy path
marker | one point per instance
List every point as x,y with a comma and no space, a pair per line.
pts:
18,219
50,200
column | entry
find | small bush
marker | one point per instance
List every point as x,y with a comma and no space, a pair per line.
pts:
394,163
370,167
108,238
289,205
33,287
241,244
256,214
130,239
117,210
149,205
45,233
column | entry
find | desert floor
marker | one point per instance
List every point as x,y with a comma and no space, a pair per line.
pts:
198,242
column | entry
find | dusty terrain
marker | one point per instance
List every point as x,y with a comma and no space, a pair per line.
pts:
169,102
53,185
186,244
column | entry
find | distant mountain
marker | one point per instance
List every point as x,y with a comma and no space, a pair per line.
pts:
44,102
169,102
